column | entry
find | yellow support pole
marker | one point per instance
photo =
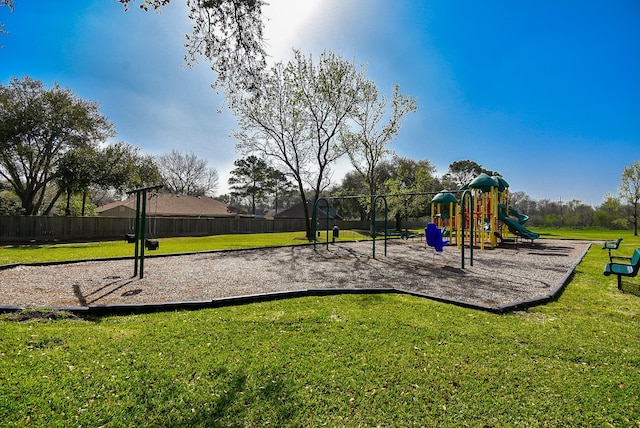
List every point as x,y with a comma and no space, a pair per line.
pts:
433,212
494,216
459,220
451,222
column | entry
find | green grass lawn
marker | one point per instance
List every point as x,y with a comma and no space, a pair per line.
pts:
588,234
350,360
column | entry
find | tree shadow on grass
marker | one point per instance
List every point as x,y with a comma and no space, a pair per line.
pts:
236,403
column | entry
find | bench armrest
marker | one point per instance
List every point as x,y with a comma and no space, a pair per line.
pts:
620,257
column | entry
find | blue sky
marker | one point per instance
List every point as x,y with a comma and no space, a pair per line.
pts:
547,93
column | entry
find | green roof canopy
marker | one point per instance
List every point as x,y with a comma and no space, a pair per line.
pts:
484,183
502,183
444,196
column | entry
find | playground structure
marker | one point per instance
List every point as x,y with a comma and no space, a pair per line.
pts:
445,214
478,217
482,216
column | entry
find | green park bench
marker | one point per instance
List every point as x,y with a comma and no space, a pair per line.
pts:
624,269
393,232
611,245
389,233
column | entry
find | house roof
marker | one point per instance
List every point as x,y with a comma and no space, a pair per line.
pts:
166,204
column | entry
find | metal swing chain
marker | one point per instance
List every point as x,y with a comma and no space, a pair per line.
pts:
155,217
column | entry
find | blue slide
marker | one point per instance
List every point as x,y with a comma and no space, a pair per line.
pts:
514,226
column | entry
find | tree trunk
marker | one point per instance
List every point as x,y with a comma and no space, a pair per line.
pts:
52,203
84,202
635,219
27,197
27,207
309,221
398,220
67,209
253,204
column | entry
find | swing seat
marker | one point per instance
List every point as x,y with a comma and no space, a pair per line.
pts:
152,244
434,237
130,238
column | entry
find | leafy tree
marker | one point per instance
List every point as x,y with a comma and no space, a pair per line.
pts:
367,145
611,213
547,213
577,214
630,190
410,177
76,172
353,184
116,167
9,202
231,200
463,171
253,178
37,127
295,118
120,167
247,178
282,190
186,174
77,206
229,34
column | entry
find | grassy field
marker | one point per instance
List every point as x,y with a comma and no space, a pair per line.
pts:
351,360
589,234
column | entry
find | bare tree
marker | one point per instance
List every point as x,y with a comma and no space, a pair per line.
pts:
9,4
186,174
295,118
630,190
367,145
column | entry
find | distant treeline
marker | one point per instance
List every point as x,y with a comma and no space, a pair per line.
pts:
612,214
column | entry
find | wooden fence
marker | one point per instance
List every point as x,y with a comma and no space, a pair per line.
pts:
34,229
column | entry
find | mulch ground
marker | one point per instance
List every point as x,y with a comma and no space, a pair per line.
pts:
496,279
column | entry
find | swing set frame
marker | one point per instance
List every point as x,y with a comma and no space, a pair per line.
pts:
466,195
140,228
